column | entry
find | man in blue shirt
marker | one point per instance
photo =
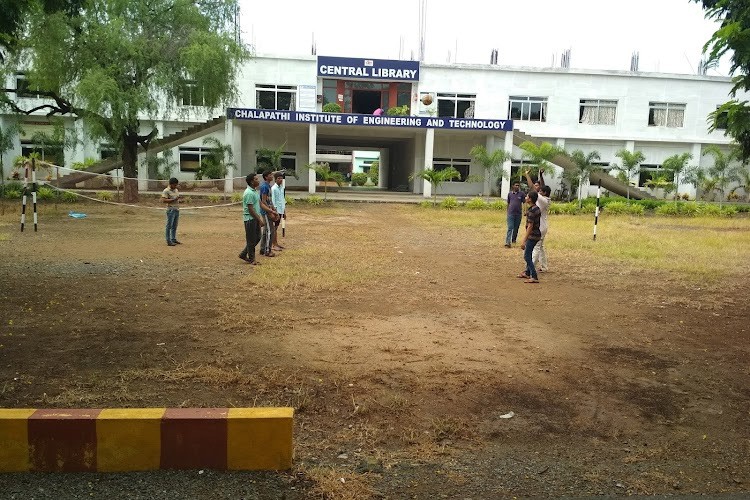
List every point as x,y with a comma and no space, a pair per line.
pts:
516,197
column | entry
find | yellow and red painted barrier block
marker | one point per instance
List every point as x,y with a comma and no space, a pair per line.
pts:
109,440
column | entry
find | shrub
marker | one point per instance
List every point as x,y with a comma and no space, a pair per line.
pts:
476,204
290,201
11,187
669,209
425,204
398,111
709,210
314,200
105,196
570,208
359,179
332,107
214,198
729,211
12,194
236,197
45,193
186,199
617,208
69,197
449,202
499,205
636,210
649,204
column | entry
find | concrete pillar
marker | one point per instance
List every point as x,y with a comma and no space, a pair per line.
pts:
312,154
429,146
508,147
418,154
490,147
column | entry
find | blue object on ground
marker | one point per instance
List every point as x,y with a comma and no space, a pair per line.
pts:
76,215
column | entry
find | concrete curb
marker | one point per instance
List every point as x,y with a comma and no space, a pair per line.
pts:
117,440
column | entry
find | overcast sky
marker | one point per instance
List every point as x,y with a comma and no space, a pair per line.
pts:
602,34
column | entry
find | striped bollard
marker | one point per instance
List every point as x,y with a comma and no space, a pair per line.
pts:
33,190
596,214
25,190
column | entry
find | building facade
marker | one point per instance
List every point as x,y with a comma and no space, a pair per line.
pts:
450,108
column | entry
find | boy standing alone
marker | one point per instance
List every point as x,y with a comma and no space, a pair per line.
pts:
251,218
516,198
171,196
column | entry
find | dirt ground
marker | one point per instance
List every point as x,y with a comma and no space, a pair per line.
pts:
402,342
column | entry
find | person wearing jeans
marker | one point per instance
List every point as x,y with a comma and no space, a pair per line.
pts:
530,238
171,197
516,198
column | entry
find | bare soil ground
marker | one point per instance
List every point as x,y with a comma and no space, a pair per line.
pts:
402,340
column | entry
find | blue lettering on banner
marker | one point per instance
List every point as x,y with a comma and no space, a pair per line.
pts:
369,120
374,69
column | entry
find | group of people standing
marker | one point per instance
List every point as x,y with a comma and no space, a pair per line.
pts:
263,209
537,202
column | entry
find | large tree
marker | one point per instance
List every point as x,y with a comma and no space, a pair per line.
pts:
119,62
732,37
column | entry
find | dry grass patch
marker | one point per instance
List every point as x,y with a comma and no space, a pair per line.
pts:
338,484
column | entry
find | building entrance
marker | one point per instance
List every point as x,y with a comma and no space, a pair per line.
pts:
366,101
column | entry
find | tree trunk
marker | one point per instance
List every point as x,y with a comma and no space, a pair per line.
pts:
130,169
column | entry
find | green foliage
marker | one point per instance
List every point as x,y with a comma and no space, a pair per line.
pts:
449,202
85,164
436,178
214,198
117,61
186,199
374,172
476,204
9,187
723,172
584,167
105,195
269,159
398,111
324,173
12,194
332,107
160,166
45,193
236,197
290,201
359,179
630,165
492,163
217,162
731,38
540,155
70,197
314,200
499,205
624,208
570,208
425,204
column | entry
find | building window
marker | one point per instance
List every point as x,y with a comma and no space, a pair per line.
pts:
192,94
24,90
288,161
276,97
460,164
532,109
666,114
330,92
456,105
191,158
403,94
722,119
597,112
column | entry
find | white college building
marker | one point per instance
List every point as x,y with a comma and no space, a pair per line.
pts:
452,107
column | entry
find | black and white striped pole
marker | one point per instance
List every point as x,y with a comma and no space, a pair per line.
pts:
25,192
596,213
33,190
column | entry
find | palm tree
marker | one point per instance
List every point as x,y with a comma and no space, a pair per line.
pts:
436,178
723,170
743,175
631,165
217,162
323,170
677,164
584,167
661,181
492,163
540,155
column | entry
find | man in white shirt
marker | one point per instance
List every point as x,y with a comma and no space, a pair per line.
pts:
539,255
279,202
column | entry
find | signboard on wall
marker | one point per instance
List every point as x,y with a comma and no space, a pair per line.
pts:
371,69
369,120
307,97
